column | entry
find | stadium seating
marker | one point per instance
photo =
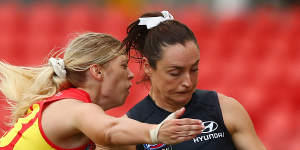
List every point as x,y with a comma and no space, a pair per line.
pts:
254,57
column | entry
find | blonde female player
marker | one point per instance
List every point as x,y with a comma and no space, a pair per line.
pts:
61,105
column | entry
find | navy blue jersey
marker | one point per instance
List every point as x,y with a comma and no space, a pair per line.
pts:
205,106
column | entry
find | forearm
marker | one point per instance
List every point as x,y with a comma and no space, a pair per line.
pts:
110,131
128,131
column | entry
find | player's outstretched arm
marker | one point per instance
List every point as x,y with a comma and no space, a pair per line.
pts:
107,130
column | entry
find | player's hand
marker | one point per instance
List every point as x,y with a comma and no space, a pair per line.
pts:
174,130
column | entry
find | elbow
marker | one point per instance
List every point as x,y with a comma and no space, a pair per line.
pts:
110,134
108,137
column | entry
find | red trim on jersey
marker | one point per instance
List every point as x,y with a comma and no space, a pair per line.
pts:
12,144
71,93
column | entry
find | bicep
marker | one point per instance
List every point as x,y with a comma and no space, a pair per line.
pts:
103,129
245,136
239,124
92,121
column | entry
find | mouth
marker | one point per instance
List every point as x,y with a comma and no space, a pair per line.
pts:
129,86
185,92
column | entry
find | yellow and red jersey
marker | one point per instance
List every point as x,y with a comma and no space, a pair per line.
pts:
27,133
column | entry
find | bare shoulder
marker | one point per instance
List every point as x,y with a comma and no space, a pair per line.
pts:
226,101
234,114
61,110
59,121
230,105
239,124
64,114
76,111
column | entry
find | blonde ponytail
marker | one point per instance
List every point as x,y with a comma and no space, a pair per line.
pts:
24,86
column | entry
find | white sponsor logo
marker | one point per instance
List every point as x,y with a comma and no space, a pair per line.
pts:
208,137
210,126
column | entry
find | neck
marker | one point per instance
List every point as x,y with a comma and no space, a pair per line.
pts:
164,102
92,93
96,98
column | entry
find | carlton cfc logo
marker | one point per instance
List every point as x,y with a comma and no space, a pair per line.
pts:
157,147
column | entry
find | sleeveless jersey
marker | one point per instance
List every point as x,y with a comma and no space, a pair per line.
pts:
204,105
27,133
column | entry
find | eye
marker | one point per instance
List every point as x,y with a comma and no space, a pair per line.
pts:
125,66
194,69
174,73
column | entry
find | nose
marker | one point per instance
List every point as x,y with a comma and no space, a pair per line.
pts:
187,80
130,74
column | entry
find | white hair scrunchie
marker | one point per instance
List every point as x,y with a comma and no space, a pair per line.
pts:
58,66
151,22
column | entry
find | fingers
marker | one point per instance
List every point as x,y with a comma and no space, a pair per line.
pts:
172,130
185,133
179,137
186,121
179,112
188,127
179,130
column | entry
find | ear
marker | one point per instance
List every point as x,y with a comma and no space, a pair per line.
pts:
147,67
96,72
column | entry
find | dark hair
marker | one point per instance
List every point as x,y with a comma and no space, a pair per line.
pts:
148,42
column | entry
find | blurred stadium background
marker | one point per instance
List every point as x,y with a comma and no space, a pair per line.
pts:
250,49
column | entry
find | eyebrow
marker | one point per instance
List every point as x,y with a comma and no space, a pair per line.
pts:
180,67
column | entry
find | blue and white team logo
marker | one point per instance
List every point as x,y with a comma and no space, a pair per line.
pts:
157,147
